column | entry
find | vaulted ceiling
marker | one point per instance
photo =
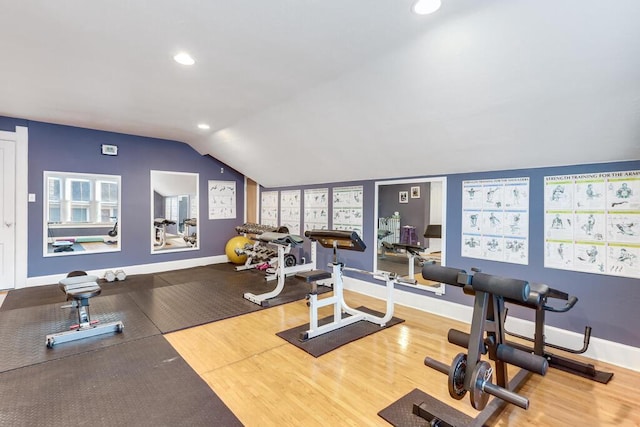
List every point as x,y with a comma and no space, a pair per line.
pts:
309,91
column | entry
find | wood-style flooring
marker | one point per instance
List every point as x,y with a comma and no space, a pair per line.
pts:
266,381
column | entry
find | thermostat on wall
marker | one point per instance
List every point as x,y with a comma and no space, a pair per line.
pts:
110,150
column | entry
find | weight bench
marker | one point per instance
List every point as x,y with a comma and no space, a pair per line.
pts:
78,290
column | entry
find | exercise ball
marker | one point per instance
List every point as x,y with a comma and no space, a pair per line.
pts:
234,243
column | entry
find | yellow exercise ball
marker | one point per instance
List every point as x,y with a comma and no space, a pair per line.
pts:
234,243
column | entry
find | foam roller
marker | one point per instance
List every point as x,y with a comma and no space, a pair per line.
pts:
514,289
438,273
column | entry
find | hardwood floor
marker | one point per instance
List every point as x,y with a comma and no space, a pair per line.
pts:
266,381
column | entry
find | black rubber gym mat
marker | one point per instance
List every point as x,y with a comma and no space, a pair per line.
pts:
29,297
138,383
199,274
47,294
219,295
24,330
172,308
331,340
400,413
294,289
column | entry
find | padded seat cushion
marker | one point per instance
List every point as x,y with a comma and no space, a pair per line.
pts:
80,287
313,275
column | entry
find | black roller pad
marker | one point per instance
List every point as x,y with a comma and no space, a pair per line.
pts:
137,383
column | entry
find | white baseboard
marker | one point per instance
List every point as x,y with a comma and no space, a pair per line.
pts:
602,350
135,269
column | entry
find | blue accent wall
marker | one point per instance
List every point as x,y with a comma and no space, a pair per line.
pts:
606,303
70,149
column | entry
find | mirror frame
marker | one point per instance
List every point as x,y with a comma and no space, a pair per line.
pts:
438,290
154,249
91,205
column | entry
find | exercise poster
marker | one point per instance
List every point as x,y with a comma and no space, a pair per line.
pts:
269,208
316,209
495,219
592,223
290,210
347,208
222,199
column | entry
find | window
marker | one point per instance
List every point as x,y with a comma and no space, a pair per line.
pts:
53,192
109,192
78,198
80,190
108,201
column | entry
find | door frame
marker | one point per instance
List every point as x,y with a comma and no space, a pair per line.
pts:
21,139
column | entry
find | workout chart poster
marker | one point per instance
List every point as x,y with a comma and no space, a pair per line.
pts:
290,210
316,209
592,223
495,219
269,208
222,199
348,208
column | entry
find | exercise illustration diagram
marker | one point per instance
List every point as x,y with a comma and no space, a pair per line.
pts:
495,220
592,223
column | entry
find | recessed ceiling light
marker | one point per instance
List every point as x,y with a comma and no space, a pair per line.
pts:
184,58
204,126
425,7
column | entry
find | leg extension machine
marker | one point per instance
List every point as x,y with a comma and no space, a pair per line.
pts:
468,372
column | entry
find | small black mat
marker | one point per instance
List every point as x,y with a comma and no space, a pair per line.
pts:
138,383
331,340
24,330
400,413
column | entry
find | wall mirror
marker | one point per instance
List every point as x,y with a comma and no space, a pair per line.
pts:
174,211
409,227
81,213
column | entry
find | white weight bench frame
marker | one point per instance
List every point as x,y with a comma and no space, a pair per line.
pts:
337,239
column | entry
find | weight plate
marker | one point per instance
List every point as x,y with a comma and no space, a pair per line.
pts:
456,376
289,260
482,373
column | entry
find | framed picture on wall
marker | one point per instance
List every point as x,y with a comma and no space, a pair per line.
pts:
415,192
403,197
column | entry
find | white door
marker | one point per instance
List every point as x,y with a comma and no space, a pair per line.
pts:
7,211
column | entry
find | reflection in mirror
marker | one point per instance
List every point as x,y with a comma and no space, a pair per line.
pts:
174,211
81,213
409,225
